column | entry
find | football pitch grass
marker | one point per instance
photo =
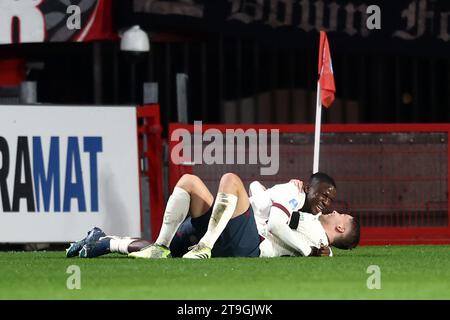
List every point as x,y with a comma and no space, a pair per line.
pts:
407,272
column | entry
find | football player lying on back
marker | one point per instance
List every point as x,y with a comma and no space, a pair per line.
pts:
226,226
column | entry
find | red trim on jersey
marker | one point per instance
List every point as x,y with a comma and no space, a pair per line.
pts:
282,208
261,238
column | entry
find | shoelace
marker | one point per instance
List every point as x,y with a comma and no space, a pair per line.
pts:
192,247
198,246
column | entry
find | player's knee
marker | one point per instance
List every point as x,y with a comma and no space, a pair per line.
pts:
230,179
188,176
187,181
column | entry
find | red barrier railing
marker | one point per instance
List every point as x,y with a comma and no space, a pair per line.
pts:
150,158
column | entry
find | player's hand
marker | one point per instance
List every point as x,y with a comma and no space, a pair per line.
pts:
323,251
297,183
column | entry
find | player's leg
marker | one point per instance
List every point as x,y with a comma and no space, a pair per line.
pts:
97,243
240,238
190,196
138,244
122,245
231,201
111,244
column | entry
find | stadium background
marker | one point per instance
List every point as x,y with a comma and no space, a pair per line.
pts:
385,138
239,64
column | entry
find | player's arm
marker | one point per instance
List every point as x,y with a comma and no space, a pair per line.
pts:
297,183
279,228
258,196
290,194
318,248
256,188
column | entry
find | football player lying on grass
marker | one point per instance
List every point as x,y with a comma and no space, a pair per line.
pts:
197,226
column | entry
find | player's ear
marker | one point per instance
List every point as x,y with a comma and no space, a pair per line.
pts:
340,228
306,187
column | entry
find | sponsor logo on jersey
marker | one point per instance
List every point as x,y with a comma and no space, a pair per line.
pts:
293,203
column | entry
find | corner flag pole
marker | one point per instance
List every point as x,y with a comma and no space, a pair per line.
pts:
317,130
325,92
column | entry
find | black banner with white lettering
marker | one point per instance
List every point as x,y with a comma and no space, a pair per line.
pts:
401,25
234,309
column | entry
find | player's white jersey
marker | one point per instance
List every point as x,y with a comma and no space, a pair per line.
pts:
310,226
309,229
287,195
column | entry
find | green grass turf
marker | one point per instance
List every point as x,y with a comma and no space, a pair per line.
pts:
407,272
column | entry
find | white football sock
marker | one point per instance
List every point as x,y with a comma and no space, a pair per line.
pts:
177,209
120,244
223,210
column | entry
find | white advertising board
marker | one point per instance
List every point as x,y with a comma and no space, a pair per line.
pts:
66,169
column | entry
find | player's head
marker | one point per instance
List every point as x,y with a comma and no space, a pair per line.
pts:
320,192
343,228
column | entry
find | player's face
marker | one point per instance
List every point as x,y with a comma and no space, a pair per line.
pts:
337,218
320,196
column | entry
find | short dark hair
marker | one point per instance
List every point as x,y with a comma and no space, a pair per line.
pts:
350,240
319,177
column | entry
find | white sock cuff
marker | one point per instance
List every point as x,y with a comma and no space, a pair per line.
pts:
180,192
120,244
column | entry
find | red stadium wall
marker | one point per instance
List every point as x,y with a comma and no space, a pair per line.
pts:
394,177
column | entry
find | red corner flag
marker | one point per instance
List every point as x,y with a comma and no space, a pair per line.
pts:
326,77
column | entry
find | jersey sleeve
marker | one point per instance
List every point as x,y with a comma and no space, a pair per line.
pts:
259,197
287,196
278,226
